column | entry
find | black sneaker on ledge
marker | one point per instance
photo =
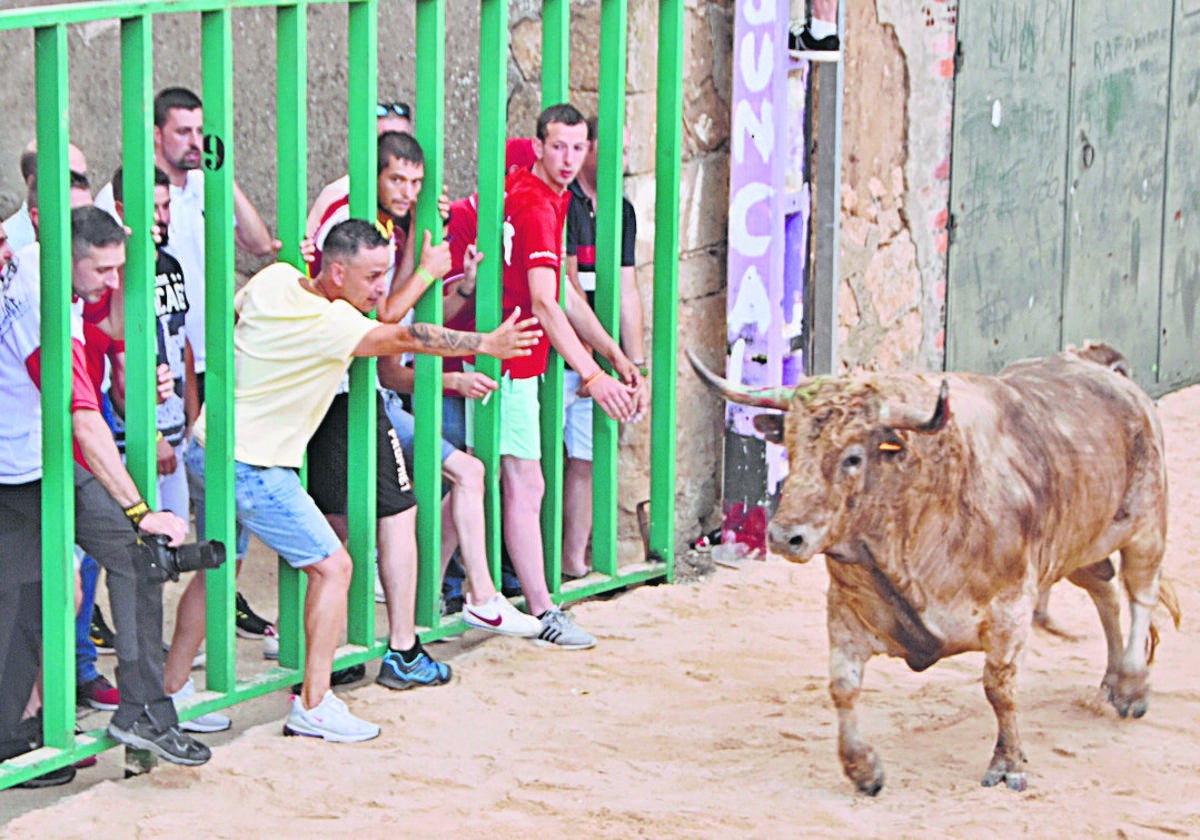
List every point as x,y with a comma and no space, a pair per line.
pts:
171,744
802,44
102,637
250,625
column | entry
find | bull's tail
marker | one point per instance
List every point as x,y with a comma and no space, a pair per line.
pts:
1168,598
1105,356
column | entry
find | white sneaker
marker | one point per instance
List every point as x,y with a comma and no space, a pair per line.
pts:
497,615
557,628
200,659
330,720
211,722
270,642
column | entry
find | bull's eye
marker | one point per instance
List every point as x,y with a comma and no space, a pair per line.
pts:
853,460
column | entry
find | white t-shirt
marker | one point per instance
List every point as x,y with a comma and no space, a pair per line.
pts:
19,229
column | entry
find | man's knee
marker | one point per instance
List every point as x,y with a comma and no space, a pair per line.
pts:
465,471
335,569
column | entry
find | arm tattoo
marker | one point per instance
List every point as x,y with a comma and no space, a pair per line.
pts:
449,342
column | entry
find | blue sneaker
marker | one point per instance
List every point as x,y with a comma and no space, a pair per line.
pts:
395,673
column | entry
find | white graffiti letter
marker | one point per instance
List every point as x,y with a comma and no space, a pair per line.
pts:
740,237
760,130
756,70
758,13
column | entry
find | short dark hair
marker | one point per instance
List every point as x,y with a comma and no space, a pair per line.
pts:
174,97
91,228
593,129
345,239
564,113
400,145
78,181
118,182
28,164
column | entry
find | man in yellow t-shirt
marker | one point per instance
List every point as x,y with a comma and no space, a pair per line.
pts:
294,340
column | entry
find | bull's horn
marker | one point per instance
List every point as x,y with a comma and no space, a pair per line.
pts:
915,420
778,398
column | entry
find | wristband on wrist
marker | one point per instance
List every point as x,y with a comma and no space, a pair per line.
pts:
424,274
137,511
587,383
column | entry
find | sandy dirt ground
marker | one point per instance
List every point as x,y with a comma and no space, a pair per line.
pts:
704,712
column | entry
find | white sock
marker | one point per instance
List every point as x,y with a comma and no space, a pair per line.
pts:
821,28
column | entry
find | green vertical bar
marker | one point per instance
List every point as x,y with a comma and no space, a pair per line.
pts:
137,103
217,72
58,486
291,109
609,214
360,500
427,400
556,72
666,281
493,117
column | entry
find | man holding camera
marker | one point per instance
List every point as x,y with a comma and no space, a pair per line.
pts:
110,515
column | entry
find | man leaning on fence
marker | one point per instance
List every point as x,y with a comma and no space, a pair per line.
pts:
109,511
294,341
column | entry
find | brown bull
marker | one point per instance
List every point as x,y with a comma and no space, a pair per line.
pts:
945,503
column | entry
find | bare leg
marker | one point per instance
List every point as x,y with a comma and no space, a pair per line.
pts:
397,537
577,516
825,10
466,474
324,618
188,636
522,488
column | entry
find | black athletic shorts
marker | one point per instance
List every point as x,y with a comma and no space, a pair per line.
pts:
327,463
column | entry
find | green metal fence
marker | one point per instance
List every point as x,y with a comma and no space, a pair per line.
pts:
224,688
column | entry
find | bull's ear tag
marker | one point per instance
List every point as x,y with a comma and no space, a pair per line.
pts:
890,446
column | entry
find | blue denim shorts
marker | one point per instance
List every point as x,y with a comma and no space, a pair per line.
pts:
577,418
273,505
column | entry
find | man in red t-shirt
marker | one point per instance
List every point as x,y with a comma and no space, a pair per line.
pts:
535,208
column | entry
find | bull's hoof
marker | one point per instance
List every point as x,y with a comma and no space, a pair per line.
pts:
1015,779
1130,695
866,771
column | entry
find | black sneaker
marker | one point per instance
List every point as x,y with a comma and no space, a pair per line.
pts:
100,634
171,744
52,779
250,625
802,44
342,676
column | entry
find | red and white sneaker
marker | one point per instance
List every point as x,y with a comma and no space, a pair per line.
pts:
99,693
497,615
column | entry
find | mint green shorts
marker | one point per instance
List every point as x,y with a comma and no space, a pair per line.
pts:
520,429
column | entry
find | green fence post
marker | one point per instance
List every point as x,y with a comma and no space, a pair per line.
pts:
58,486
217,70
360,498
137,103
666,281
493,117
427,398
556,88
609,215
291,139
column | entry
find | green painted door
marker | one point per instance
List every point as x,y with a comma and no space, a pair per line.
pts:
1116,161
1178,357
1007,189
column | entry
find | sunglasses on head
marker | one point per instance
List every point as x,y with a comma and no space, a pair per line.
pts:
400,109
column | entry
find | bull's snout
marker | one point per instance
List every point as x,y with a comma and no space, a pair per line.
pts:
798,541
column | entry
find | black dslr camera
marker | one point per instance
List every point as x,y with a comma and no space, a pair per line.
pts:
167,562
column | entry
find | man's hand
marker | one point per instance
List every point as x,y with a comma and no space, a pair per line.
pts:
308,250
435,258
166,523
616,398
167,462
633,378
444,206
472,385
166,383
472,257
512,338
